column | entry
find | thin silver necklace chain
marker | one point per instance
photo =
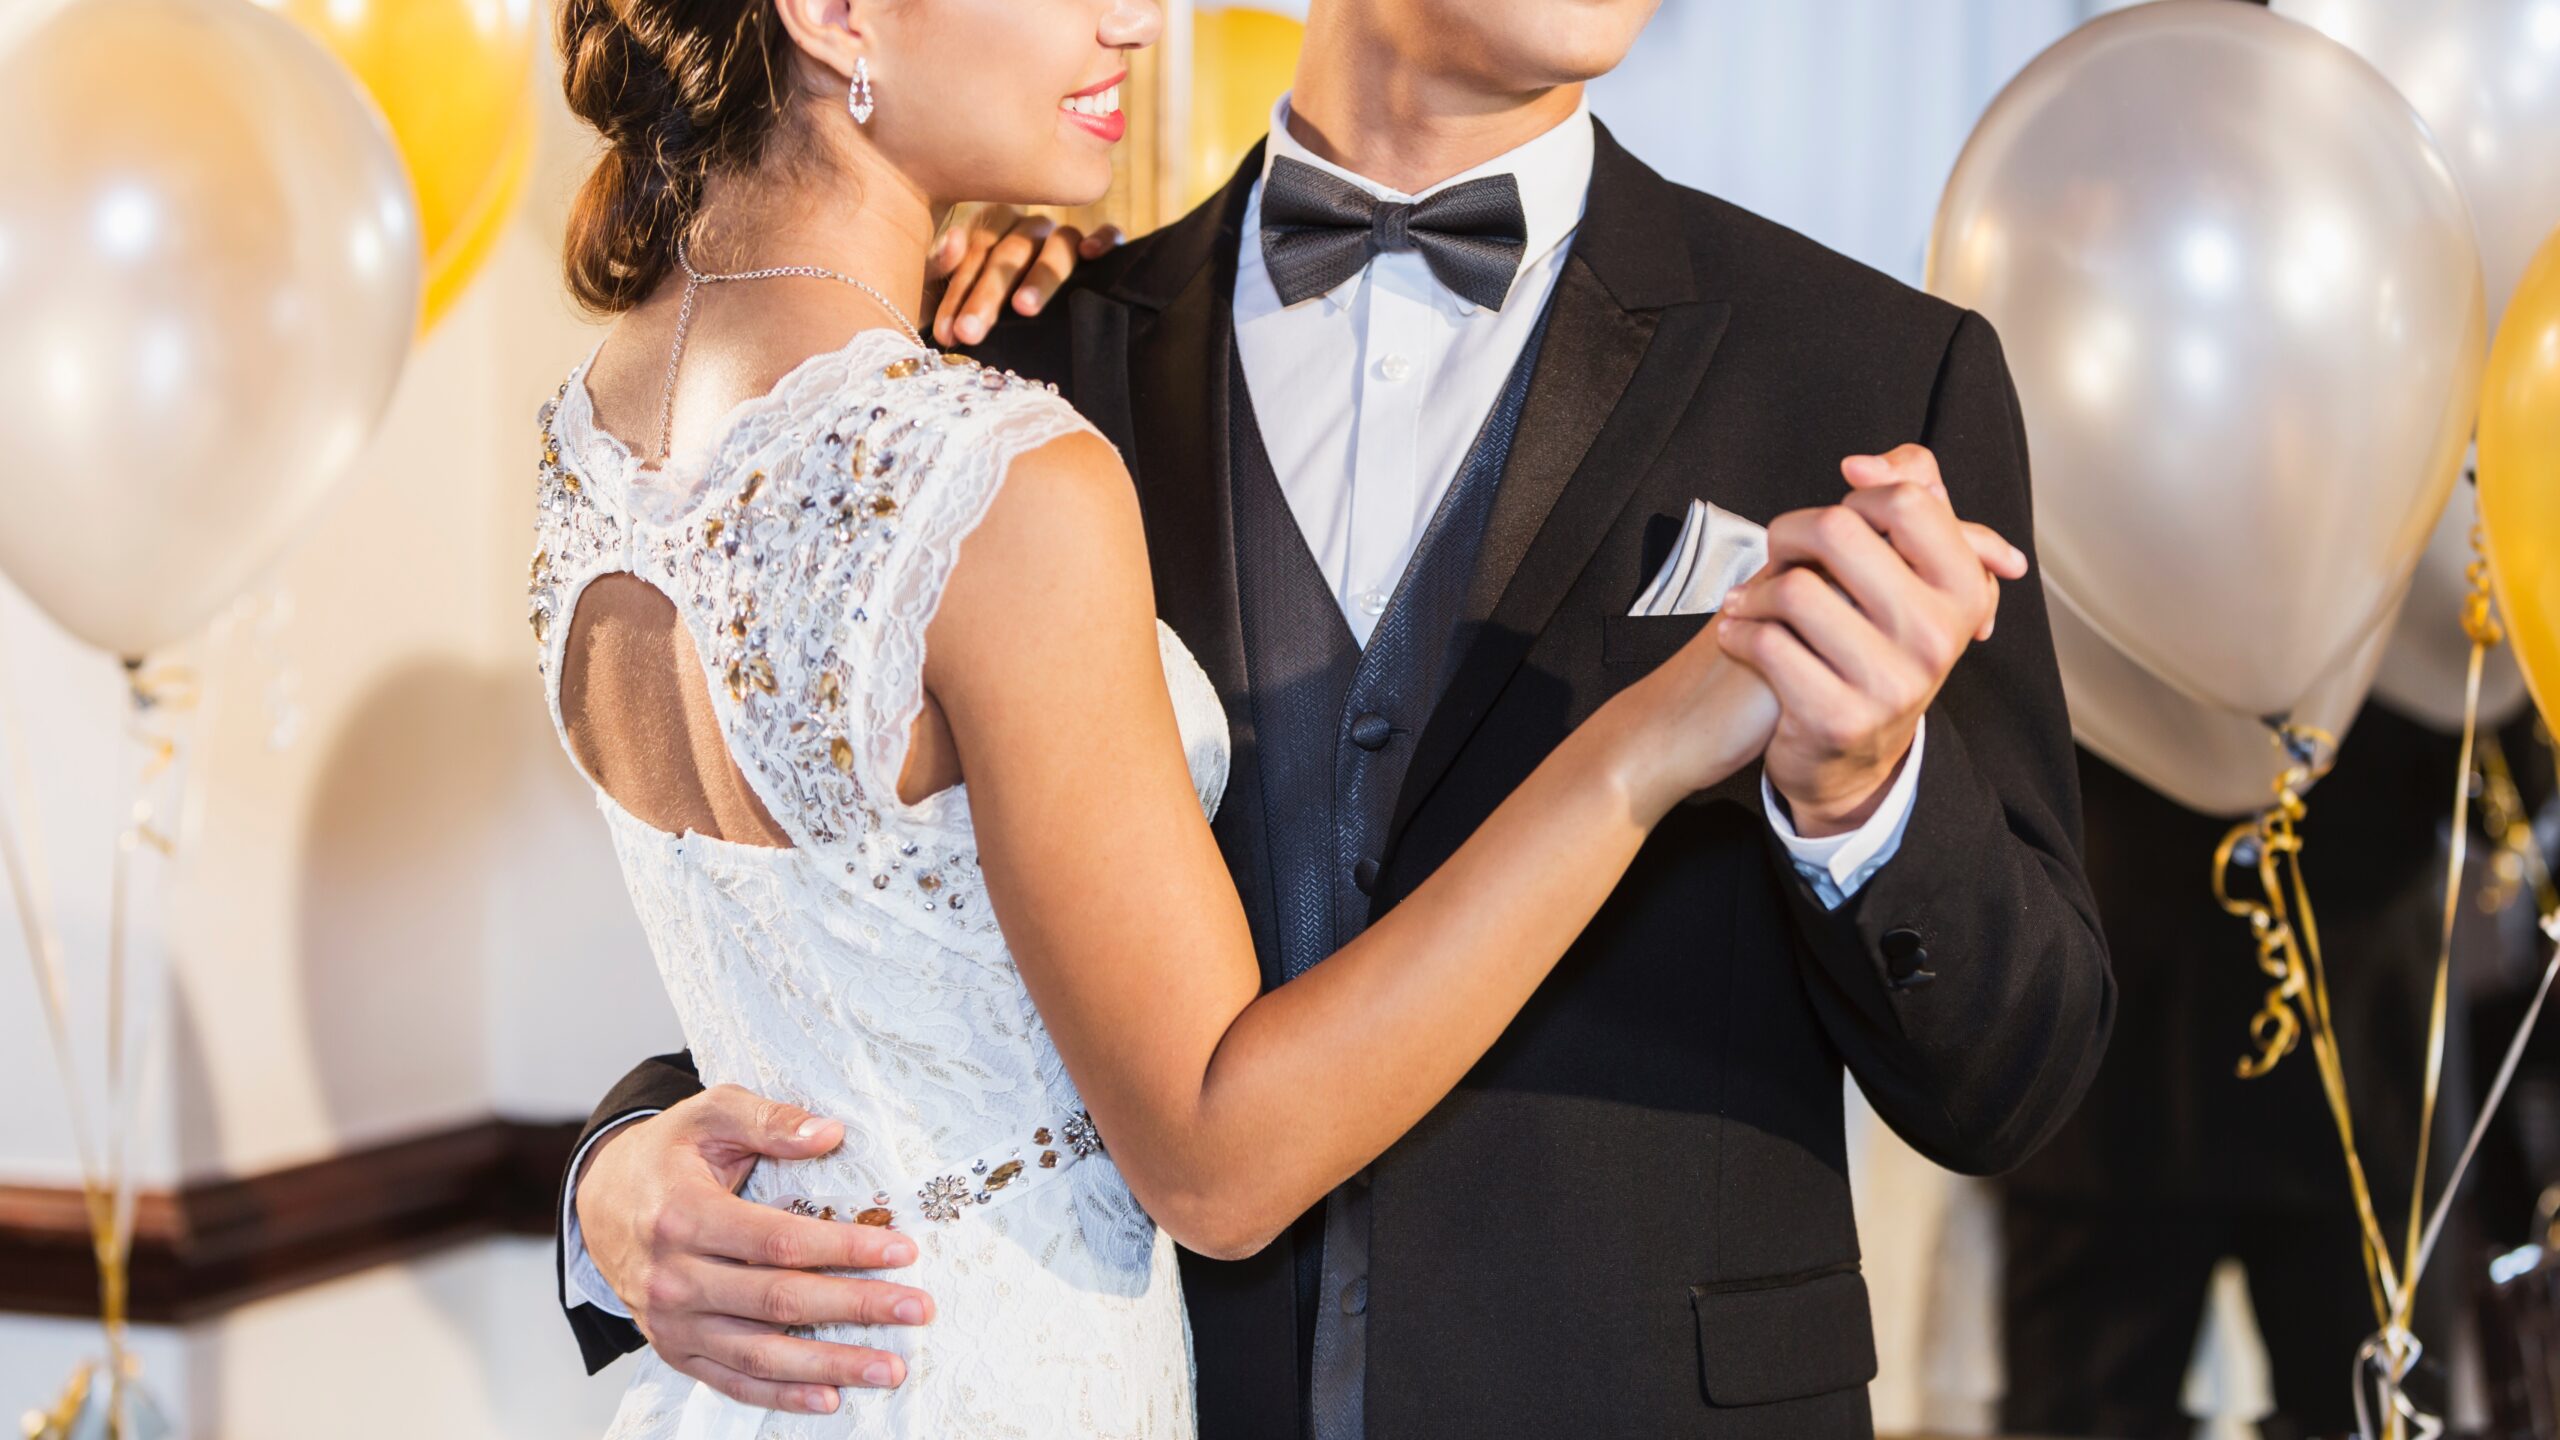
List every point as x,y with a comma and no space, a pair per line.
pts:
694,280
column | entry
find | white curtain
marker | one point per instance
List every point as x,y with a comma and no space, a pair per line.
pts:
1840,118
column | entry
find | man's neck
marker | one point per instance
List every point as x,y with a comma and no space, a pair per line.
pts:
1359,106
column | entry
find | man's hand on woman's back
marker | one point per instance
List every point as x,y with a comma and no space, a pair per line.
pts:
714,1280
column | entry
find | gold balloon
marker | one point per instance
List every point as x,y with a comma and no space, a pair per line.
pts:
2520,474
1241,60
453,78
469,246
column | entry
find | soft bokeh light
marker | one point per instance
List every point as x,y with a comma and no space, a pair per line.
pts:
127,222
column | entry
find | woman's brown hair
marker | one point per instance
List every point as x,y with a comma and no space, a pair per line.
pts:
679,89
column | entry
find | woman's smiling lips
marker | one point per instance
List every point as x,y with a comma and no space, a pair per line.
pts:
1097,108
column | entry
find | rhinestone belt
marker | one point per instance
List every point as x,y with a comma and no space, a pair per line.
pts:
997,1173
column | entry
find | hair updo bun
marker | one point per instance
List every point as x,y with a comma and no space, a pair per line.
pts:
679,89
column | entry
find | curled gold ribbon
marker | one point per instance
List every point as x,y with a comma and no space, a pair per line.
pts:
2299,1005
2288,938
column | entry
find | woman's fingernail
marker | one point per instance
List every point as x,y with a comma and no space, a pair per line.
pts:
973,329
810,1127
898,1252
1027,300
1733,597
909,1312
877,1374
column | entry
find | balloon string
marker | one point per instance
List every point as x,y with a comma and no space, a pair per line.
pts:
2388,1358
106,1173
2481,622
153,695
2394,1342
2507,817
44,952
2480,625
2289,952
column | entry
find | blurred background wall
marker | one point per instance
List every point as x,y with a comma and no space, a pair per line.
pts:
394,914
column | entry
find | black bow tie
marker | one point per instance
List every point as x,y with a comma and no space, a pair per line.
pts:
1319,230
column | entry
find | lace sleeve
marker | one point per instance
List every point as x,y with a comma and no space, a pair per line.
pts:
979,442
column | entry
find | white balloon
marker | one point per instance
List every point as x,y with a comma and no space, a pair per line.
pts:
2242,302
2200,755
2485,74
209,265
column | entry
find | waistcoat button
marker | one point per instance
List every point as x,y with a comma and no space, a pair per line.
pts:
1372,731
1365,875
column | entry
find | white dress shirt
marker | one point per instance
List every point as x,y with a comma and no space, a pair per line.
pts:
1370,397
1372,393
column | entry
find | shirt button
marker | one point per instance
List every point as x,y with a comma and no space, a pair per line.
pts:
1373,602
1355,1296
1395,369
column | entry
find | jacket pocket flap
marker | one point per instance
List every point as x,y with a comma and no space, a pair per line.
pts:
1646,640
1784,1338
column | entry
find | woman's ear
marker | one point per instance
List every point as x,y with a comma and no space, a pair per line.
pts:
833,33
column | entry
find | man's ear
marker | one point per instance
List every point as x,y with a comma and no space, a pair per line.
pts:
834,33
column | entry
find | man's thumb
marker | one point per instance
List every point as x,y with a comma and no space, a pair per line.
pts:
771,1127
791,1131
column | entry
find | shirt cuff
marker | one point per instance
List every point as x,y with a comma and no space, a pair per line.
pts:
1836,866
586,1283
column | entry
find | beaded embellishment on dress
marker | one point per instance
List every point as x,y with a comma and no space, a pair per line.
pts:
860,972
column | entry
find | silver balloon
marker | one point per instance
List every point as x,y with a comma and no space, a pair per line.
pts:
2426,667
2204,757
209,265
2485,74
2242,302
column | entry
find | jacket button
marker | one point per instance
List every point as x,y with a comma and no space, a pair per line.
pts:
1372,731
1365,875
1355,1296
1906,960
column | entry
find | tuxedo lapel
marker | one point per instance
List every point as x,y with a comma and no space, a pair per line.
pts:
1155,343
1628,341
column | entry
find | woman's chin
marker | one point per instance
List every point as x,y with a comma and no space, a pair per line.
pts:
1069,185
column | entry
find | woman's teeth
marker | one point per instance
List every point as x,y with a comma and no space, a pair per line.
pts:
1105,103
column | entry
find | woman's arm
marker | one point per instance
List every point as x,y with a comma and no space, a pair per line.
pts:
1230,1111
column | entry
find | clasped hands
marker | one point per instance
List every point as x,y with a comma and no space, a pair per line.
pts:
1861,612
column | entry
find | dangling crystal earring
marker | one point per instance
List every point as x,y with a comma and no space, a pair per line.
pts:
859,102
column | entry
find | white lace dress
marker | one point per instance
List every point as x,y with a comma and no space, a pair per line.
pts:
861,974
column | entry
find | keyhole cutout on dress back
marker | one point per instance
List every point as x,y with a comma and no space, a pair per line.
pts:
638,711
642,722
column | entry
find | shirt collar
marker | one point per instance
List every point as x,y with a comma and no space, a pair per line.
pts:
1553,171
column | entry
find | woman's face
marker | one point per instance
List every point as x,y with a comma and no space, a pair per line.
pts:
1004,100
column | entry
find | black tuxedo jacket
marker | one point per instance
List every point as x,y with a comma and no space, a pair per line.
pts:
1633,1217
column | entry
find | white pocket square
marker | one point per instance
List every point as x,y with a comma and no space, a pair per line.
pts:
1717,550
